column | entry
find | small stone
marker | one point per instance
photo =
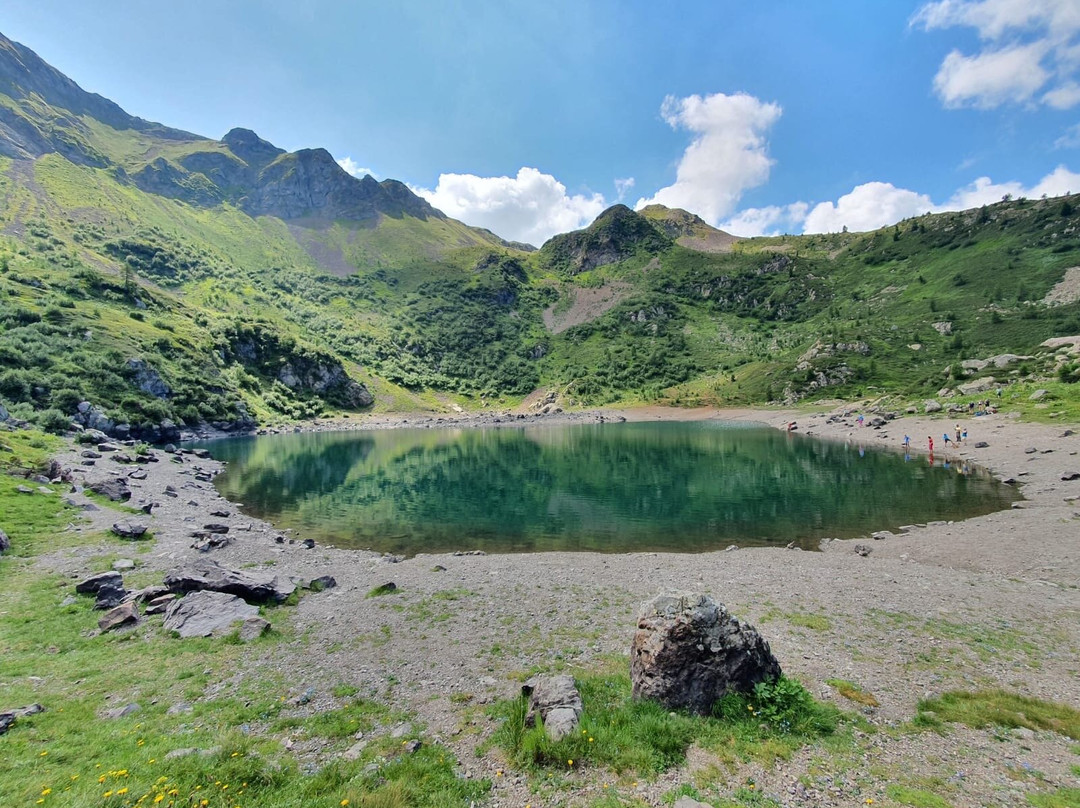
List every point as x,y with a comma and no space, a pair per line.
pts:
252,628
122,564
306,696
982,445
413,746
321,583
220,514
309,544
138,474
22,489
881,534
122,712
862,549
215,527
1070,475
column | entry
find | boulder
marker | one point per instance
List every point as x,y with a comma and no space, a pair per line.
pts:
126,614
557,703
115,488
202,574
688,652
202,614
931,406
321,583
159,604
91,585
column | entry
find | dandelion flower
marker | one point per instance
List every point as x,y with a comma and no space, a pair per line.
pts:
46,792
108,793
44,752
122,790
343,802
570,762
590,740
158,798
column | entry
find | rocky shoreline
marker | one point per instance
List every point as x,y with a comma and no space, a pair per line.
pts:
988,602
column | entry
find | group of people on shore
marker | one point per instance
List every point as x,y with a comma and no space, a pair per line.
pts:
959,435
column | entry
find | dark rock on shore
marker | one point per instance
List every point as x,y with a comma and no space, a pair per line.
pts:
204,574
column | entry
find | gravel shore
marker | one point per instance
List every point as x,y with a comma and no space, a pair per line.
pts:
993,601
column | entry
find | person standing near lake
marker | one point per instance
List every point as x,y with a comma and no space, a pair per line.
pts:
930,440
957,434
907,442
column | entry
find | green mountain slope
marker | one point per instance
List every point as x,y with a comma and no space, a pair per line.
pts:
166,277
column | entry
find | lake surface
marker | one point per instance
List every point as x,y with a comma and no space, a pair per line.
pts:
610,488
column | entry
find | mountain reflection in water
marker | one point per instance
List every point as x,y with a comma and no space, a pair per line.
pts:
609,488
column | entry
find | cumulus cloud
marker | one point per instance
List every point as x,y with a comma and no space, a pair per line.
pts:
354,168
727,156
530,207
879,204
622,186
867,207
1028,46
991,78
772,220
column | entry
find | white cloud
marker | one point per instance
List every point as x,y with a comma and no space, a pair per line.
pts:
879,204
727,156
1070,139
530,207
1030,45
866,207
992,78
622,186
354,168
768,221
1066,96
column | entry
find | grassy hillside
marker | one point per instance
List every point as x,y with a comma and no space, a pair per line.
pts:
164,276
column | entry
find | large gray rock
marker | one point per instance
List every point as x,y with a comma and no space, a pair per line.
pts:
115,488
556,701
91,585
688,652
202,574
202,614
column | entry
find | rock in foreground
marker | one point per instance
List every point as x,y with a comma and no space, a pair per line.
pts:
688,652
555,699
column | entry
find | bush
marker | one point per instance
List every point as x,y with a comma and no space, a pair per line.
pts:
52,420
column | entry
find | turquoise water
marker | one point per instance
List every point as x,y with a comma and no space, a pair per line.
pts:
609,488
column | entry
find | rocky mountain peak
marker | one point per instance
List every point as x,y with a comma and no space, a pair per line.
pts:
616,234
251,148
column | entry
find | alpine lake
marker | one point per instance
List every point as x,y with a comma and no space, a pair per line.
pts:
623,487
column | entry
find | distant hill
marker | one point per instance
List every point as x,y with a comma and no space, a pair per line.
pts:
151,277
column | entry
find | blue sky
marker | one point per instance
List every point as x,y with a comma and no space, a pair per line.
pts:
531,117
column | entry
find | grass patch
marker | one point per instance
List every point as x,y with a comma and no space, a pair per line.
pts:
1001,708
1062,798
382,589
915,797
814,622
360,715
627,735
852,692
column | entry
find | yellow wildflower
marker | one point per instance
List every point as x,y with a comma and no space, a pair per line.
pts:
122,790
158,798
46,792
44,752
108,793
343,802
